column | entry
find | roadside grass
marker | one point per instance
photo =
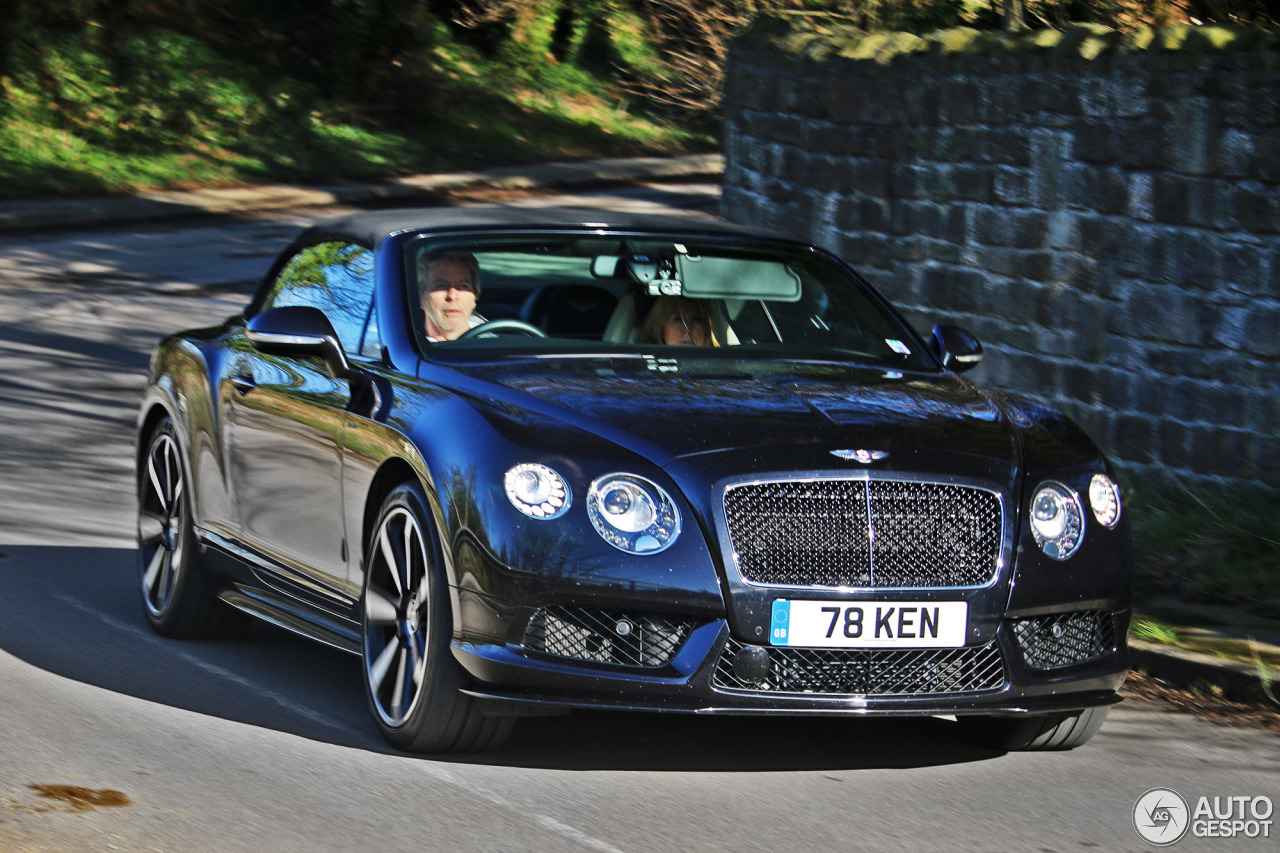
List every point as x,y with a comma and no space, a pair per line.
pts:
1173,632
182,114
1209,545
1153,631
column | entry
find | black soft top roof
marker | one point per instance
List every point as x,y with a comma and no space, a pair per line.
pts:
369,227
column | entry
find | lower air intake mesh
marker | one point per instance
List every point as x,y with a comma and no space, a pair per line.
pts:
1049,642
870,672
604,636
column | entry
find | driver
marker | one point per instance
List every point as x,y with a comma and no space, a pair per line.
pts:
450,284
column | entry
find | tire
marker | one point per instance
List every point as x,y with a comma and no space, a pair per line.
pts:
1035,732
411,678
177,597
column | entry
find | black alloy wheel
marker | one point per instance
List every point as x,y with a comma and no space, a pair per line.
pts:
177,596
411,678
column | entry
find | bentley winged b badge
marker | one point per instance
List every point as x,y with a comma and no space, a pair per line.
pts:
866,457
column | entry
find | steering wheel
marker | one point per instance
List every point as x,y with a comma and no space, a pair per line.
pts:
505,325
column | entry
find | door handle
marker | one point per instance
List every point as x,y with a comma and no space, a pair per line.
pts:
243,383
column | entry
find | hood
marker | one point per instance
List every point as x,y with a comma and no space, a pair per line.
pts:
687,408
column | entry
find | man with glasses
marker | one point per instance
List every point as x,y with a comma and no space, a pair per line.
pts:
449,287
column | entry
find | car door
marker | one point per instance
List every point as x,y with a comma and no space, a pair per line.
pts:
287,417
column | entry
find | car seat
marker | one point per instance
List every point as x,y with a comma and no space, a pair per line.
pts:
570,310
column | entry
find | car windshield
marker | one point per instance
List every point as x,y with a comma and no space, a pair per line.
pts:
647,296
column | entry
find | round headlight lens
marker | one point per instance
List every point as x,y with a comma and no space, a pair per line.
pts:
1104,498
1057,521
633,514
1049,514
627,507
537,491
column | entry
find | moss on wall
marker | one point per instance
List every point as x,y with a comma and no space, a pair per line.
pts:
817,41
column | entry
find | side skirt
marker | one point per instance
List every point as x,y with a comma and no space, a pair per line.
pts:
332,632
253,585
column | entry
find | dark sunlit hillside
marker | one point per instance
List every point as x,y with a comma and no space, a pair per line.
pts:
112,95
118,94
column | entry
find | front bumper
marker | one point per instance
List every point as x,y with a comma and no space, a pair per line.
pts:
1011,674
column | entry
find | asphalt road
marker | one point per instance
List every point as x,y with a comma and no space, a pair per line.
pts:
112,738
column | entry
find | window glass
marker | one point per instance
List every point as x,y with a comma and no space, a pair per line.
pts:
335,277
644,294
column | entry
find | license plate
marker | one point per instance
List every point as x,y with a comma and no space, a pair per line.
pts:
869,624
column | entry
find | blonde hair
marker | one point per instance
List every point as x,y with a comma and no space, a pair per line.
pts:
666,307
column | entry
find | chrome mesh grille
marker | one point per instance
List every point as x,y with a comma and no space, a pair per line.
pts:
876,533
870,672
605,636
1049,642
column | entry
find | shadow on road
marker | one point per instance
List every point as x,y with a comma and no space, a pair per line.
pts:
75,612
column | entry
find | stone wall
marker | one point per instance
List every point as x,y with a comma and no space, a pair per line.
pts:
1103,211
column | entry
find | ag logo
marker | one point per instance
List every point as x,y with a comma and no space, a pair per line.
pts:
1161,816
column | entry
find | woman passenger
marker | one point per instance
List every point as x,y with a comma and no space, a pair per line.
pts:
678,321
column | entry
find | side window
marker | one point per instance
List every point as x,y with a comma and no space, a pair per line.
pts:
335,277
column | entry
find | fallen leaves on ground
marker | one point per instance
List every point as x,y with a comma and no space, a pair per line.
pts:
1205,705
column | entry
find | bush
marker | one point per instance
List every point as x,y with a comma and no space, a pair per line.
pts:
1216,545
100,95
158,91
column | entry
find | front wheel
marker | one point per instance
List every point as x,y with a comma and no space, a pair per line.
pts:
411,678
1035,732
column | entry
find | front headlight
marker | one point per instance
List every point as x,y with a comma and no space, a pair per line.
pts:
1104,498
536,490
1057,521
633,514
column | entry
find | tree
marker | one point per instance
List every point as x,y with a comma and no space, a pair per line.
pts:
1014,17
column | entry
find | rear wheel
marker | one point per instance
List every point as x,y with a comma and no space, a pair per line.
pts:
1035,732
411,678
177,597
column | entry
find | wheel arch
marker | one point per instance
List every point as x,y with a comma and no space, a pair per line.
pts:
151,415
182,386
392,473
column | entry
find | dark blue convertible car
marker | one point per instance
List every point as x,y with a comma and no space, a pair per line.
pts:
523,462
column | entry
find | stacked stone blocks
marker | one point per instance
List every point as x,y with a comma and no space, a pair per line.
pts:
1102,210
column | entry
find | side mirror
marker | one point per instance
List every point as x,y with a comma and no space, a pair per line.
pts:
956,348
299,331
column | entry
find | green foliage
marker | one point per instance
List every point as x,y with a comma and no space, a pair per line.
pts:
1153,631
1219,544
114,95
174,91
1182,629
109,95
630,41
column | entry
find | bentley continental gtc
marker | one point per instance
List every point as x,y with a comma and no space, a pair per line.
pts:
524,462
